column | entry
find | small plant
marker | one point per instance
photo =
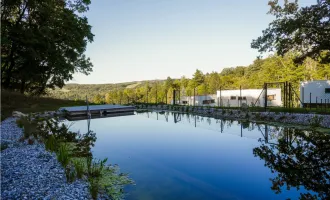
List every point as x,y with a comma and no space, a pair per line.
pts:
94,168
79,167
51,143
93,187
70,173
63,155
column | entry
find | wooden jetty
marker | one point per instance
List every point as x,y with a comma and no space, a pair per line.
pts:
87,110
82,117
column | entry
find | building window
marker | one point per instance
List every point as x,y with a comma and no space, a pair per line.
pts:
244,98
271,97
232,97
327,90
208,101
240,98
184,102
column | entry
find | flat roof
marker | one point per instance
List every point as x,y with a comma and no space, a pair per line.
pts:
95,107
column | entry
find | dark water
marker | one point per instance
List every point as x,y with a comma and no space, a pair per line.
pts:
179,156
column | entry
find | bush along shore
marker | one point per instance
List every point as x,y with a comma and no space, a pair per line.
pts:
306,119
42,159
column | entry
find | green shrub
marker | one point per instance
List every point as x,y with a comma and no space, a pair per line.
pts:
94,168
93,187
79,167
70,173
63,155
51,144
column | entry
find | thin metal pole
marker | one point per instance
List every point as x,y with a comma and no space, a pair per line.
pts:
310,101
290,95
265,86
220,98
240,95
194,95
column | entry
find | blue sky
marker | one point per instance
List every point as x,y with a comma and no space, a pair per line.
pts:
152,39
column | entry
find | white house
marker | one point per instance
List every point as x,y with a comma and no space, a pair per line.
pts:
235,98
314,92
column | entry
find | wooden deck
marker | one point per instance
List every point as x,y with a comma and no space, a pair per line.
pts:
82,117
97,109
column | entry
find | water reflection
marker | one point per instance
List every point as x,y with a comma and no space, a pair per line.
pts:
247,129
299,159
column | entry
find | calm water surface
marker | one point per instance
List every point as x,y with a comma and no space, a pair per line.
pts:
179,156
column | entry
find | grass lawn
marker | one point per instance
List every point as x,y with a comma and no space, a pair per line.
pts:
12,101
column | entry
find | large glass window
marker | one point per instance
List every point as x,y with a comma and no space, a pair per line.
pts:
327,90
208,101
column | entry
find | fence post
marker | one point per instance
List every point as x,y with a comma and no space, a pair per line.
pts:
194,96
240,95
321,104
310,101
284,92
265,86
220,98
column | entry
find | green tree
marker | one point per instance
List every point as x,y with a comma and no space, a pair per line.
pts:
43,43
98,99
198,78
305,29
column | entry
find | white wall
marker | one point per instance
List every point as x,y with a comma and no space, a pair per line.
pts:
251,96
316,89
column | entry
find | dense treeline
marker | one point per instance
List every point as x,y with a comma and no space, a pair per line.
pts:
271,69
43,43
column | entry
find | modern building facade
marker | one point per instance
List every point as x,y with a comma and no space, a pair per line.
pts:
235,98
313,93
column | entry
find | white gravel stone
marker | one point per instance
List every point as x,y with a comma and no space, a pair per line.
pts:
30,172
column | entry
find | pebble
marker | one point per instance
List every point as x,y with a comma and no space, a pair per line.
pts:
31,172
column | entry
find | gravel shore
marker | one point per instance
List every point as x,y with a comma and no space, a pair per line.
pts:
31,172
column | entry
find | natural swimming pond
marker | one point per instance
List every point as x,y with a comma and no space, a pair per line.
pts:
181,156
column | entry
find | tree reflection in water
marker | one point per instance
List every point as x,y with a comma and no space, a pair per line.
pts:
300,158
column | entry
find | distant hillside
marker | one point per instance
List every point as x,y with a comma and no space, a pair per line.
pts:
74,91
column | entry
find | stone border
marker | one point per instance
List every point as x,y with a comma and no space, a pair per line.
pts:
311,120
